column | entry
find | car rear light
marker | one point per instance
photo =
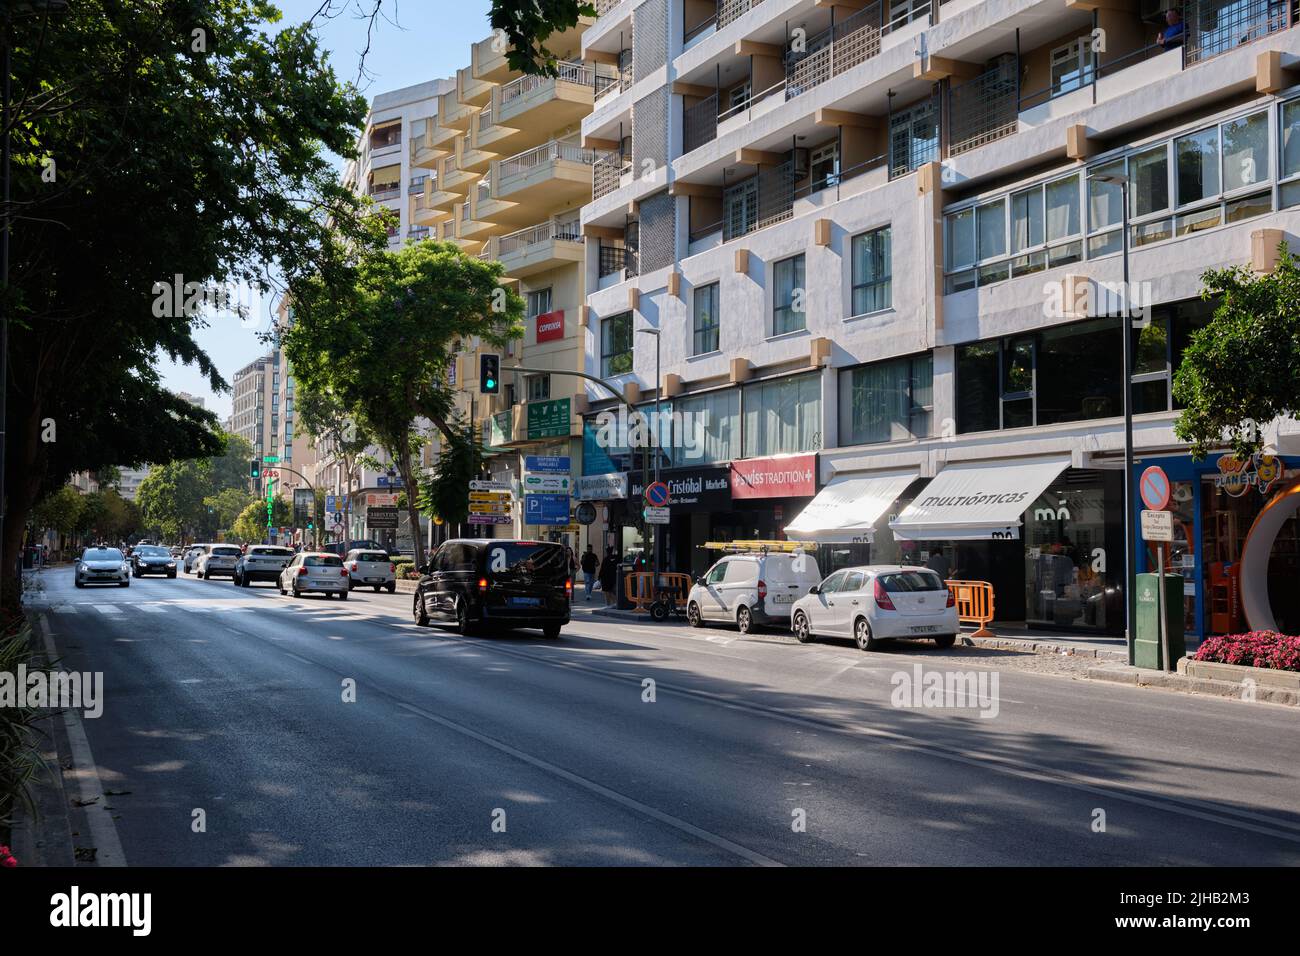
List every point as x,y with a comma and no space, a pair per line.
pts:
568,586
482,584
882,597
762,590
952,598
354,566
343,572
302,571
393,568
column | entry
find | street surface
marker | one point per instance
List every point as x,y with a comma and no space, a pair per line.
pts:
513,749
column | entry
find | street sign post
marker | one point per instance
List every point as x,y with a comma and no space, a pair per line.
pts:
1158,526
1154,487
655,515
657,496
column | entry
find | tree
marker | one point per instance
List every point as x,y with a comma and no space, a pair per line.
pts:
525,25
172,497
338,433
382,343
443,494
1242,370
150,141
227,505
250,526
59,511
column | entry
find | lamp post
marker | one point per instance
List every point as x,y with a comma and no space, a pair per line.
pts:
654,546
1130,566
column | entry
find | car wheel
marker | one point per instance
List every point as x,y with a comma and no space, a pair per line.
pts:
283,591
391,587
245,582
862,635
551,631
207,575
802,632
945,640
693,617
124,584
172,576
296,592
462,620
343,595
418,610
77,583
744,620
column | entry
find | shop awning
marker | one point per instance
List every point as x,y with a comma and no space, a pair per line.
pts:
978,500
845,510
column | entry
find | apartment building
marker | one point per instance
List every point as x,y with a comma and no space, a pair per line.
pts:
507,176
879,250
252,387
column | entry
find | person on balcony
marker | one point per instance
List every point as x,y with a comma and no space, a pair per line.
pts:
1174,31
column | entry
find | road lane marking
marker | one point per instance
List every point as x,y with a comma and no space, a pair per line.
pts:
591,786
102,829
107,609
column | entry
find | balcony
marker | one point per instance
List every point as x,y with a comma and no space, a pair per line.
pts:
453,177
984,108
617,261
1215,27
607,173
553,102
417,184
470,90
433,205
452,113
548,245
417,233
839,49
554,173
431,143
385,192
764,199
488,60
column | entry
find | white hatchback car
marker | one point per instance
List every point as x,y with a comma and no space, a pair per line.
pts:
218,559
315,571
876,603
370,568
749,590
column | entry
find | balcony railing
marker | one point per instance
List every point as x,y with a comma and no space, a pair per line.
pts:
607,173
984,108
758,202
1217,26
700,123
613,259
418,232
837,49
604,6
379,193
417,184
731,10
529,160
568,71
543,232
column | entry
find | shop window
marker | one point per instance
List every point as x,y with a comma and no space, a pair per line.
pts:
616,345
1158,349
887,401
788,294
977,388
705,302
782,416
872,268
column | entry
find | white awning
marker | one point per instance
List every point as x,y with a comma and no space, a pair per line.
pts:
977,501
845,510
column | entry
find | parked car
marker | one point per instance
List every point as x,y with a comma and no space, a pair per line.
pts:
102,565
151,559
218,559
261,562
751,590
371,568
314,571
192,556
473,582
878,602
340,548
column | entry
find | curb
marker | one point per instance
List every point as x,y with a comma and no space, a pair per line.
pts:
1042,647
1140,677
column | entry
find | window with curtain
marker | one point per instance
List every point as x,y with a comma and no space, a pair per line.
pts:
783,416
707,428
887,401
788,295
705,302
616,344
1245,151
872,268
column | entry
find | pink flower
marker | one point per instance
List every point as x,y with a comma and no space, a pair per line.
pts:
7,859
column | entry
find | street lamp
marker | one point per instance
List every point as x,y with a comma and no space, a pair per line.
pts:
654,548
1130,566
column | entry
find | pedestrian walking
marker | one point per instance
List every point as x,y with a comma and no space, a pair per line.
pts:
609,576
590,565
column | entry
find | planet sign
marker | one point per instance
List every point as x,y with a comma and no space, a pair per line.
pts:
1154,487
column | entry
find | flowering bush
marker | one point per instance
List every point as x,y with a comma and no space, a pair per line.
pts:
7,859
1256,649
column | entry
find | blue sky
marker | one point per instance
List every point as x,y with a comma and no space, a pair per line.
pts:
417,40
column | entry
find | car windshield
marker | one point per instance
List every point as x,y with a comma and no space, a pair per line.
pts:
225,552
912,581
152,551
371,556
273,552
323,561
541,561
102,554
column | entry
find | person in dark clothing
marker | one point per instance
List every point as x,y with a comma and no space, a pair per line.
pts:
590,564
609,576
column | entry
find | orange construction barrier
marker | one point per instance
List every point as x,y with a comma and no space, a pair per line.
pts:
672,583
974,604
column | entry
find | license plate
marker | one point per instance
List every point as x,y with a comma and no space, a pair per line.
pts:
525,602
374,580
924,628
783,599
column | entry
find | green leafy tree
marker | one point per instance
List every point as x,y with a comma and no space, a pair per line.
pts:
171,497
189,139
443,494
250,526
337,432
1242,370
526,24
227,505
381,345
59,512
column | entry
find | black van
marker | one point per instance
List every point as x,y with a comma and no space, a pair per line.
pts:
474,582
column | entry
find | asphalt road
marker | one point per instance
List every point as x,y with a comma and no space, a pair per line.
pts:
514,749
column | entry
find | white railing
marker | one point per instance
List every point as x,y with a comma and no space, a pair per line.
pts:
525,162
607,173
568,71
542,232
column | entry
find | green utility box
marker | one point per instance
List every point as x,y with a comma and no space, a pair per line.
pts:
1146,631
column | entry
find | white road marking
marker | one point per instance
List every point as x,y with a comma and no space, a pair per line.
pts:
107,609
102,829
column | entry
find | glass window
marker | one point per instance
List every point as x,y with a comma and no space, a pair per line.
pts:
1079,371
538,302
852,581
1018,382
616,345
783,416
991,225
872,269
961,239
1062,208
1072,66
1290,138
1198,166
705,302
1245,151
1027,219
887,401
977,387
1105,200
788,295
832,583
824,166
708,428
539,387
1148,173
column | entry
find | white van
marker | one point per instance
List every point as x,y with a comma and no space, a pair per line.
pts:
750,590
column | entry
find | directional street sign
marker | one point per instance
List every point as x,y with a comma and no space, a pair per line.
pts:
484,485
489,519
553,484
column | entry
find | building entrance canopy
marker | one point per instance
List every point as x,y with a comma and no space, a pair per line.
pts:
845,511
977,501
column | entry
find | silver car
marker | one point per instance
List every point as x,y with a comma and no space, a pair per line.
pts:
218,559
368,568
102,566
192,556
878,602
315,571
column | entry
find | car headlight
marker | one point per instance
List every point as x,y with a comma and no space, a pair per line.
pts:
171,564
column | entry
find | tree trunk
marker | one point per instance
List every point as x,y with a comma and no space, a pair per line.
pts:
412,511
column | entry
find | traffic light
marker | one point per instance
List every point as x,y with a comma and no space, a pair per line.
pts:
489,374
255,469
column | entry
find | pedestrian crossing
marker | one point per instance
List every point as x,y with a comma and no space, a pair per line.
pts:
156,607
